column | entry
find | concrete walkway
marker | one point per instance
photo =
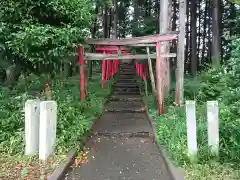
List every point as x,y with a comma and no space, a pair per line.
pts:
122,147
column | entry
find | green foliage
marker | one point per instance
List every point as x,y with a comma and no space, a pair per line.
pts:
221,85
73,120
42,32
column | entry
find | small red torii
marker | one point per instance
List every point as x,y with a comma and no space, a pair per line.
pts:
111,52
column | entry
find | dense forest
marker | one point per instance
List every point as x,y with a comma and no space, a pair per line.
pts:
57,28
38,45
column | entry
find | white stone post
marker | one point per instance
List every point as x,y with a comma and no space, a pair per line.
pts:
191,128
32,111
213,126
48,127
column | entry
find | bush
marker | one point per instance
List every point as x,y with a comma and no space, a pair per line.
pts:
73,120
212,84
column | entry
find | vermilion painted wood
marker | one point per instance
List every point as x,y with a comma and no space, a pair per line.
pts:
103,72
108,69
136,68
110,48
141,71
108,66
136,40
81,70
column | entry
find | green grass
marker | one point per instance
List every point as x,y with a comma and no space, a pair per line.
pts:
172,135
74,118
220,85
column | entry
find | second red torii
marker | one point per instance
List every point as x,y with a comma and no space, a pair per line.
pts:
153,39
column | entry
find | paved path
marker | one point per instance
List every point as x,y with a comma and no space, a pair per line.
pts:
121,147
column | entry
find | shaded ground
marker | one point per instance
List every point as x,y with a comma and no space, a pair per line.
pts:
123,123
111,158
122,147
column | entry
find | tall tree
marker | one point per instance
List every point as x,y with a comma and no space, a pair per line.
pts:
179,98
115,23
216,49
194,37
105,21
165,26
204,34
187,27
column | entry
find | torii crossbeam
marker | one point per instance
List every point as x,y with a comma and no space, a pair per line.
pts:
144,41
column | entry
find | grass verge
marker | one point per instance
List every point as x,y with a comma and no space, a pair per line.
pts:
75,118
172,135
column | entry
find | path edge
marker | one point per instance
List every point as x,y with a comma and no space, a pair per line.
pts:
174,172
60,171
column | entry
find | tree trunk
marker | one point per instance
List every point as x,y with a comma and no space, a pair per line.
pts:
204,32
187,59
216,51
66,69
174,42
105,22
135,19
179,97
110,19
209,52
154,91
115,33
165,24
194,37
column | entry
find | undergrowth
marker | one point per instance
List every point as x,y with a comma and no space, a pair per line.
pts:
221,85
73,119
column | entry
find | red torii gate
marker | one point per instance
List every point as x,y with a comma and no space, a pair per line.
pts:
144,41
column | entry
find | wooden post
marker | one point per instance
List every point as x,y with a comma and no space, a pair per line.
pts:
213,126
81,68
179,96
159,79
103,72
119,53
145,78
86,77
32,114
191,128
48,128
154,91
164,27
216,37
90,66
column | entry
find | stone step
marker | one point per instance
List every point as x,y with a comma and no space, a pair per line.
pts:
124,105
122,110
119,123
130,85
125,93
131,90
127,69
127,80
129,110
125,97
127,75
121,69
126,85
126,72
133,71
